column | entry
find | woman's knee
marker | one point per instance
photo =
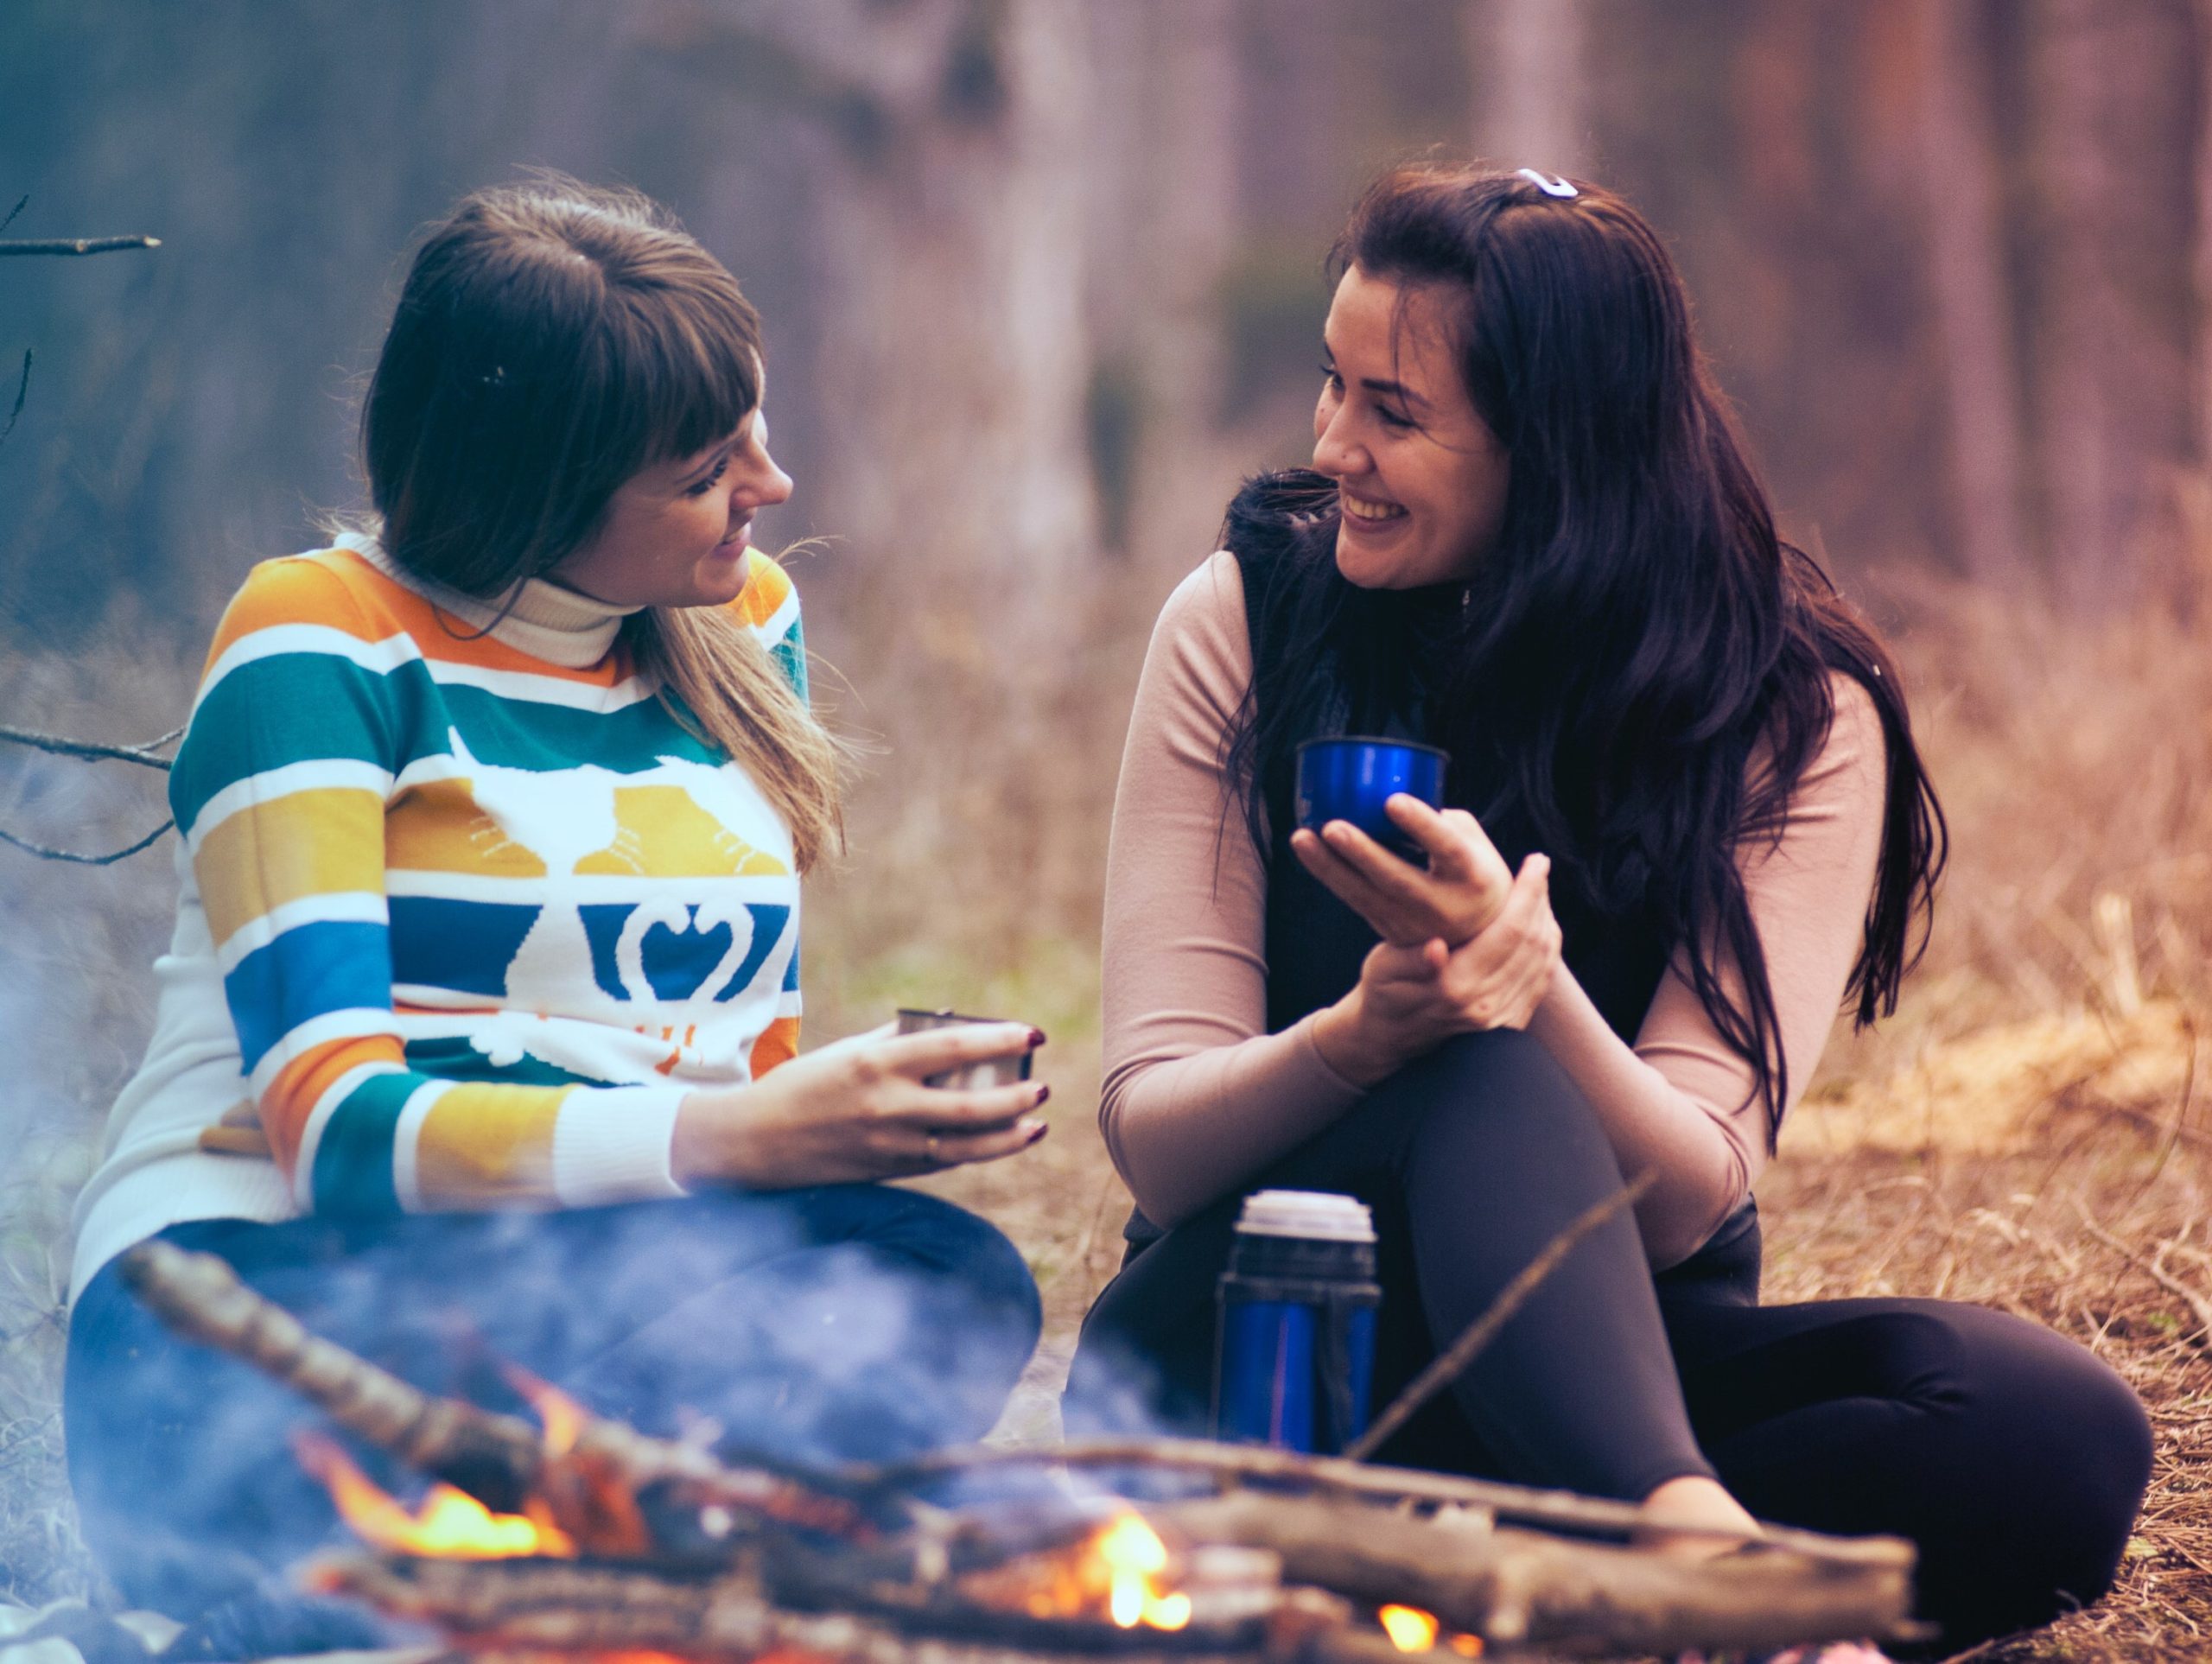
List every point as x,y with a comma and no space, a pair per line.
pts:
2045,1451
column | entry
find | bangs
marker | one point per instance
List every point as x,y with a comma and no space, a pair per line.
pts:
691,374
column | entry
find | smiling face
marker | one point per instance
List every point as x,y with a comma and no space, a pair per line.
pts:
1421,478
675,532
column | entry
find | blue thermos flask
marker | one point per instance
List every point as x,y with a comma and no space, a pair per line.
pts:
1294,1346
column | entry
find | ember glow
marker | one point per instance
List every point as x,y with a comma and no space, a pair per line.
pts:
1134,1556
1116,1572
447,1524
560,1416
1410,1630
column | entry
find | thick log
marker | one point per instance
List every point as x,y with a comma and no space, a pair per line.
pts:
571,1607
1293,1472
1518,1588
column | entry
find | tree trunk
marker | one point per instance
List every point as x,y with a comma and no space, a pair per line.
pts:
1973,309
1528,60
2116,83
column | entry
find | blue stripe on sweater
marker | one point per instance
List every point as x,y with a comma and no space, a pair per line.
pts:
308,972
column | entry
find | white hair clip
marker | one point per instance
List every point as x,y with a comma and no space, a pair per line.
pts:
1549,184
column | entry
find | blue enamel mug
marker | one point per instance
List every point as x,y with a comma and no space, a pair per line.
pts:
1351,777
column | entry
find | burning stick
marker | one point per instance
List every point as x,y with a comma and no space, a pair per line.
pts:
542,1606
588,1474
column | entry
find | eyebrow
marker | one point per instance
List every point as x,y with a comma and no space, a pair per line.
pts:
1397,390
707,464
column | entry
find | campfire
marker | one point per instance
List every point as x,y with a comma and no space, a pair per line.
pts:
578,1538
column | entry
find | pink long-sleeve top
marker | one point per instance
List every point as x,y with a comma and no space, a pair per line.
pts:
1198,1097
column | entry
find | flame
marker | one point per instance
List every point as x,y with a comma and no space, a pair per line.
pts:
446,1523
1410,1630
1134,1556
560,1416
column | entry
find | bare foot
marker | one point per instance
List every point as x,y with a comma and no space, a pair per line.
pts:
1694,1517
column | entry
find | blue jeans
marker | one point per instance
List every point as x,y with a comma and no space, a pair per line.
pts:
854,1322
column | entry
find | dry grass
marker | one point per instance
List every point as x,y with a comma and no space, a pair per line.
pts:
2029,1131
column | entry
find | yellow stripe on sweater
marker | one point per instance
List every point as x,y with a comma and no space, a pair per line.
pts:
326,840
485,1144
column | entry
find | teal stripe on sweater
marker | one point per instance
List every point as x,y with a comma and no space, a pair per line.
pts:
297,708
353,1158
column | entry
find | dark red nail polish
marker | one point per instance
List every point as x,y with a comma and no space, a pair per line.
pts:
1043,1092
1041,1133
1036,1039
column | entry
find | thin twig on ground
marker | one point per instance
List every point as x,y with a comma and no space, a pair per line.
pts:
2198,1305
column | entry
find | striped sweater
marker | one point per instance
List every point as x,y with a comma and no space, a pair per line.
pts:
480,918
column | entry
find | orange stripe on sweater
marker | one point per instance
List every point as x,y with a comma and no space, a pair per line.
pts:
297,589
779,1044
442,637
299,1086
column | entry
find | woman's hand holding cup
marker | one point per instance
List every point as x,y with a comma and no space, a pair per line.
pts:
1411,998
857,1111
1464,888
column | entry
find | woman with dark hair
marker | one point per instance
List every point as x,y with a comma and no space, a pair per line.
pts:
1686,820
478,1036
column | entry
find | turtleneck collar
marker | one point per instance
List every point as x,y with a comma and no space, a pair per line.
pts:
546,620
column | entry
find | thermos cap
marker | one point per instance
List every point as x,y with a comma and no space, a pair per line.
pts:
1316,1216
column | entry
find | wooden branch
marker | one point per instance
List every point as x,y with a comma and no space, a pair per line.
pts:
493,1457
78,244
80,858
85,750
1260,1465
569,1606
1449,1364
1518,1587
22,392
147,755
592,1487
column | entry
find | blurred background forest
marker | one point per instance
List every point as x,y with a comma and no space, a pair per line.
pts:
1042,278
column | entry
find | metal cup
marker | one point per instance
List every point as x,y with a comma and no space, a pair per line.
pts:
992,1072
1350,777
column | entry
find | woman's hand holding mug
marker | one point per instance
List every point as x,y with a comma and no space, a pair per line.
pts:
1411,998
857,1111
1462,889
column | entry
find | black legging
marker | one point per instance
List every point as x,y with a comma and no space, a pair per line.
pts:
2011,1457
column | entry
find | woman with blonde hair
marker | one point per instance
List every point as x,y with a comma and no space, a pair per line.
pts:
478,1036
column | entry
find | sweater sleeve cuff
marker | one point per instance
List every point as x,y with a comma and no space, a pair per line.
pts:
611,1145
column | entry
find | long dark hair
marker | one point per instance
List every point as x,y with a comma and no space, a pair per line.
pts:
1640,634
